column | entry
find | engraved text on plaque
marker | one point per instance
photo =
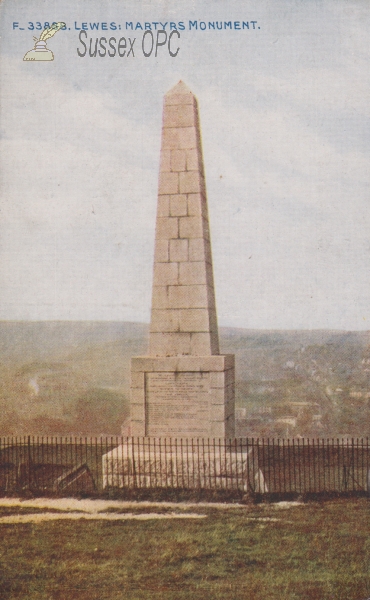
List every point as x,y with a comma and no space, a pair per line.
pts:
177,404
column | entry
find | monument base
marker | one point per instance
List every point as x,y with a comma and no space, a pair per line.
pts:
183,396
185,464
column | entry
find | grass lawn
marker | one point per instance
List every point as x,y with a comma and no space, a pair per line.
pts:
311,551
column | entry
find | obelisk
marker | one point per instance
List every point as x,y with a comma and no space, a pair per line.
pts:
184,388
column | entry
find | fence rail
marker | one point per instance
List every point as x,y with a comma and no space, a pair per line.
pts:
93,465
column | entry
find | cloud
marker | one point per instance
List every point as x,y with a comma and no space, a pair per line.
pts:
284,117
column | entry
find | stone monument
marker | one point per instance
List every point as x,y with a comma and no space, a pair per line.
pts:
184,388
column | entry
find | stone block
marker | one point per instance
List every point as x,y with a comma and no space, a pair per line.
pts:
161,253
206,234
212,319
188,296
193,160
195,202
178,160
166,320
170,139
178,205
167,228
168,183
229,377
229,361
165,274
200,250
184,98
192,273
217,429
160,297
137,412
187,138
137,379
230,427
137,428
210,281
229,404
163,207
230,395
137,396
165,164
215,346
217,380
218,412
180,115
200,344
194,320
179,250
190,182
180,363
229,410
217,395
169,344
231,389
191,227
229,399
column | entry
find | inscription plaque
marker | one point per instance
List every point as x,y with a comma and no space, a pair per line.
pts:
177,404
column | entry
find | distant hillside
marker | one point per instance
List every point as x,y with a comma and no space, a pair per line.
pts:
22,341
72,378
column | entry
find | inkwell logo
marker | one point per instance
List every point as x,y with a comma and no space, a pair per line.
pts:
40,51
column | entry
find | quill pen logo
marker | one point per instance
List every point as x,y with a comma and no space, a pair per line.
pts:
40,51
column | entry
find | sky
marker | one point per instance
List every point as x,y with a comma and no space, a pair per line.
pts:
284,112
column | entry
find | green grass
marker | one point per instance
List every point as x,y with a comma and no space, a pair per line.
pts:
314,552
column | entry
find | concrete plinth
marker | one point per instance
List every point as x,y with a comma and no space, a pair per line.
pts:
183,396
151,464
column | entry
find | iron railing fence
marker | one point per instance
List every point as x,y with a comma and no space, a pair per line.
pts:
92,465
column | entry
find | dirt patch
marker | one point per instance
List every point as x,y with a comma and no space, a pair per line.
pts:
42,517
97,506
285,504
50,509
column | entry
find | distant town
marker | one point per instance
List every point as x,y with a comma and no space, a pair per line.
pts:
68,378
